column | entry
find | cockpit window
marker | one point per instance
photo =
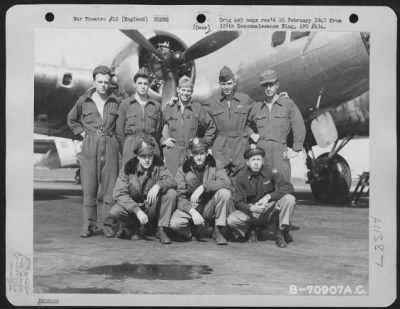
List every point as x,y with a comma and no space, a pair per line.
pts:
278,38
295,35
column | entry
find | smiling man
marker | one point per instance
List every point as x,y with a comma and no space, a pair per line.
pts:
183,120
262,197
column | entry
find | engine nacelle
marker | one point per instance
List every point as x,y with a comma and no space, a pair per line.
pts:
348,119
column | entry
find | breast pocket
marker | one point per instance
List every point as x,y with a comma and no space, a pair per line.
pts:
89,117
261,121
151,122
191,123
281,120
132,119
172,123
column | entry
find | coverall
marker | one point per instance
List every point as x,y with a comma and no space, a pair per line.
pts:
99,154
195,121
274,127
232,132
135,121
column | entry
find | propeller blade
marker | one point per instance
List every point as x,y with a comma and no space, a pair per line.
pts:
209,44
142,41
168,90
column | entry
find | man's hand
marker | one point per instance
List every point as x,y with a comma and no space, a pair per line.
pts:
290,154
265,200
142,217
255,137
196,194
172,101
196,217
257,208
169,142
152,195
83,134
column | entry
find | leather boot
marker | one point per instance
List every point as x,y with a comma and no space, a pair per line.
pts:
162,234
280,239
286,235
86,231
253,236
108,231
219,238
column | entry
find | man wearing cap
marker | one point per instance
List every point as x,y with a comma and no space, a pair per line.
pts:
203,193
230,111
272,121
144,194
139,115
93,117
183,120
262,197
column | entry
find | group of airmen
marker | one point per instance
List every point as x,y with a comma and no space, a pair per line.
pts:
224,162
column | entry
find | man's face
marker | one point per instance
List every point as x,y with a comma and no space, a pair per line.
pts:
146,161
271,89
227,87
142,85
255,163
184,94
102,83
199,158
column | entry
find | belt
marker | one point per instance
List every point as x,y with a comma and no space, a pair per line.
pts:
233,134
138,131
100,132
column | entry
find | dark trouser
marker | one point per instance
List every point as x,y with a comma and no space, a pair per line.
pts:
129,146
274,157
216,208
99,165
159,211
228,151
174,157
279,212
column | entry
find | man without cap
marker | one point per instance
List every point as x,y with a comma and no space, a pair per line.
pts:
144,194
262,197
139,116
184,120
203,193
230,111
94,117
272,121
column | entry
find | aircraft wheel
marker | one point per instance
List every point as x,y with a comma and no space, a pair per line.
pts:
335,180
78,176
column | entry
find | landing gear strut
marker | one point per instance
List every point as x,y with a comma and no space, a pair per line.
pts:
329,175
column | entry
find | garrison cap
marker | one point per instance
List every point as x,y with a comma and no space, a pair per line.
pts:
225,74
101,69
253,150
268,76
141,73
197,145
185,82
145,147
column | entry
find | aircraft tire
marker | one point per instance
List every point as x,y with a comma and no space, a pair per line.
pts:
335,183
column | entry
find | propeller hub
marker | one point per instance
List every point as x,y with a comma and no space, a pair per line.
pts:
175,60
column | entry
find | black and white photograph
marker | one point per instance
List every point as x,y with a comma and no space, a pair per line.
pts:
220,162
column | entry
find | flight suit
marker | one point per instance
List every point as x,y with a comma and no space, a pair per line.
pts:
132,187
249,189
274,127
99,154
232,131
134,123
194,121
214,202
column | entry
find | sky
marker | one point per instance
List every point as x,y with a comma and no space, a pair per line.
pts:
87,48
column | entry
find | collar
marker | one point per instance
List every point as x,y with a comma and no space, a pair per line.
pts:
187,106
250,174
223,98
274,100
88,95
133,101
